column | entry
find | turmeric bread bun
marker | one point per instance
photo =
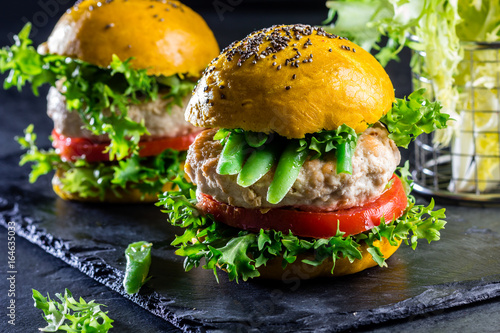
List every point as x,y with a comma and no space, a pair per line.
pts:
131,195
165,37
291,80
274,271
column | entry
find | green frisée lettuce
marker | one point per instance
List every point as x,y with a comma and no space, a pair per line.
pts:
241,252
101,96
70,315
94,180
251,155
437,27
411,117
440,32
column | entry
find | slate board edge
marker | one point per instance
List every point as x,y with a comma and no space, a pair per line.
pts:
112,278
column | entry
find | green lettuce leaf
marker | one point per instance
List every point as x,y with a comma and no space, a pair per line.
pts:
240,252
70,315
93,180
90,90
409,118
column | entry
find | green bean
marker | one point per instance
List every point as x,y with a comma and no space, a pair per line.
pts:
255,139
287,171
344,156
233,155
257,165
138,261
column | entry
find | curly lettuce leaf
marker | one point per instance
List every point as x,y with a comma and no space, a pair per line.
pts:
93,180
411,117
70,315
101,96
240,252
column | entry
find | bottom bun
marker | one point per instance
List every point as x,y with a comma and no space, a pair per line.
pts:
122,195
343,266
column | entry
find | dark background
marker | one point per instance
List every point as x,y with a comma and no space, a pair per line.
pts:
230,20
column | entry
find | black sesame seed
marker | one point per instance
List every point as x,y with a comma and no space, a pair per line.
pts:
353,50
108,26
274,63
330,50
294,76
288,87
222,96
208,101
274,56
221,86
278,68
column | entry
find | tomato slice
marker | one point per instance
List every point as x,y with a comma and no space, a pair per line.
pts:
71,148
390,205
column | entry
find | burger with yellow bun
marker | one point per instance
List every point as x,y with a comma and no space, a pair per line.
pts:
296,174
121,73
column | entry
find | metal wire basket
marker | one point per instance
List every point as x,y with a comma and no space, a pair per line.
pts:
468,170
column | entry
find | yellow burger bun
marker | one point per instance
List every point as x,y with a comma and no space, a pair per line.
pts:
291,80
165,37
273,269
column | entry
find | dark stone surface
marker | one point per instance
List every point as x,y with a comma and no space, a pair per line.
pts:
460,269
451,285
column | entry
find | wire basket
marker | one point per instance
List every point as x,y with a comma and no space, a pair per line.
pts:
468,170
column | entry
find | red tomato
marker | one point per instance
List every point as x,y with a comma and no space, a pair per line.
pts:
391,205
71,148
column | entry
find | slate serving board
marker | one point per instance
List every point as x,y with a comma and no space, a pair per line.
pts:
462,268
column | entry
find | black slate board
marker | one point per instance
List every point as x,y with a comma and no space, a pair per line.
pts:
460,269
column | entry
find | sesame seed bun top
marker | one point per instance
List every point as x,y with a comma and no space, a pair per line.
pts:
291,80
165,37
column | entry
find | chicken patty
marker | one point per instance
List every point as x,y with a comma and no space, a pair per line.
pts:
318,186
159,122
